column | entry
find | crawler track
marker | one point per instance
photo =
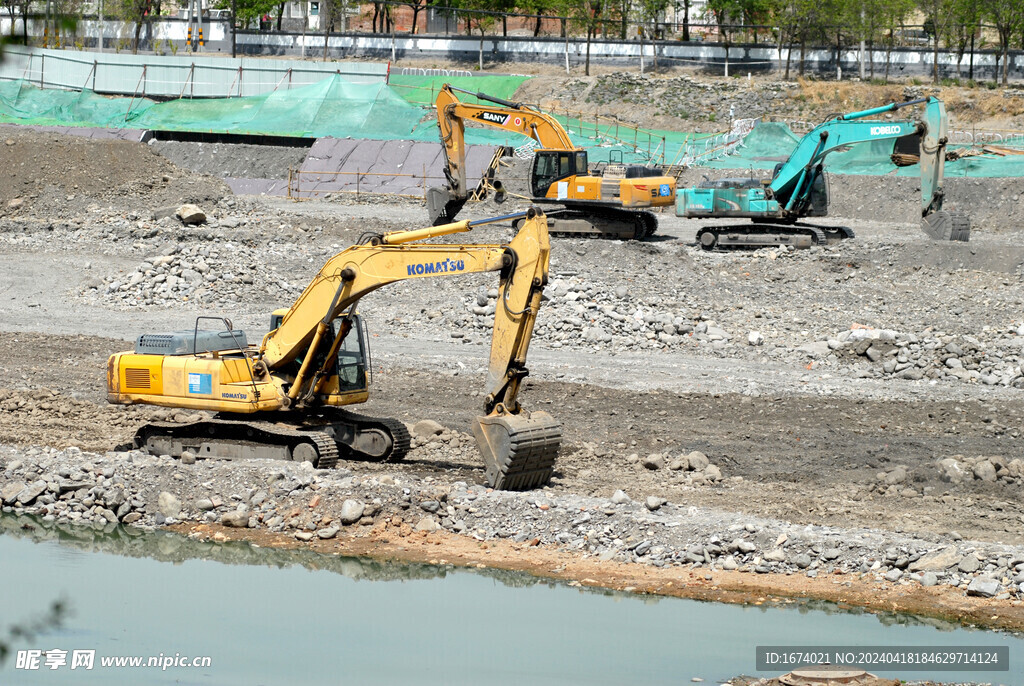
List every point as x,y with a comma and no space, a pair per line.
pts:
229,438
752,236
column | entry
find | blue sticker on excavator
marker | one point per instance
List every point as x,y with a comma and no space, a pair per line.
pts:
201,384
663,190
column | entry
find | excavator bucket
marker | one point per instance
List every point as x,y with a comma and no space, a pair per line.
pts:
519,450
442,205
947,226
939,224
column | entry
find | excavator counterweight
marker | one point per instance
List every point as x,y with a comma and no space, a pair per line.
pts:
284,398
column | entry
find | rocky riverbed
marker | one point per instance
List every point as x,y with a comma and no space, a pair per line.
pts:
133,488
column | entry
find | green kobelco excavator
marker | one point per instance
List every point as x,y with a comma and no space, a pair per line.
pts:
798,187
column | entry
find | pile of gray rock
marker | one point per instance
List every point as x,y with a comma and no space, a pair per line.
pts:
294,499
219,273
691,469
934,355
689,97
991,468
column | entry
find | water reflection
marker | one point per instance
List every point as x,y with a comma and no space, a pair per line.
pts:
146,593
174,548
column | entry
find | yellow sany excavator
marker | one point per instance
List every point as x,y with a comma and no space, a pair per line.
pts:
283,399
610,206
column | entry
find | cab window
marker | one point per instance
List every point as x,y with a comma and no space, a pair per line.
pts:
351,359
581,163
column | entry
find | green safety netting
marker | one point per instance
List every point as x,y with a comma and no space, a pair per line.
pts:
421,90
772,142
338,108
23,103
332,107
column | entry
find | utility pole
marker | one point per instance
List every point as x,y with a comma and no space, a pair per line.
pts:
99,42
234,13
862,42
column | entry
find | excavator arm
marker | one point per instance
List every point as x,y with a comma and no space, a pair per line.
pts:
445,203
518,447
792,183
362,269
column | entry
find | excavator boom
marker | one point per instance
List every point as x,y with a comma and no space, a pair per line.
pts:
313,360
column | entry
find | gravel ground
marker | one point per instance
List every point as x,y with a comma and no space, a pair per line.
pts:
136,488
855,404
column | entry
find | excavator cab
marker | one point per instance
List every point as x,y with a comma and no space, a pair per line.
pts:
353,354
551,166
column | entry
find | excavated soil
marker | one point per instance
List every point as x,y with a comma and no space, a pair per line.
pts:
812,439
56,175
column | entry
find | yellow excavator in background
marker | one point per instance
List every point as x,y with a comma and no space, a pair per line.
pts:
283,399
606,206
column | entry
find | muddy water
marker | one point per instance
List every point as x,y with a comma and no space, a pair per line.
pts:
270,616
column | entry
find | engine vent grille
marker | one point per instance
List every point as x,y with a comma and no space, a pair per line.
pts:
136,378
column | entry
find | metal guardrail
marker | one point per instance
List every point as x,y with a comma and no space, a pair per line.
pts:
1012,138
416,71
714,147
605,129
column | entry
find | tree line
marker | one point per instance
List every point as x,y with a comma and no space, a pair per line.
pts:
959,26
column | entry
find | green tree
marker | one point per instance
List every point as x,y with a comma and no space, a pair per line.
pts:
135,12
799,22
589,15
725,12
685,4
481,16
939,14
965,25
249,12
790,17
1008,17
893,13
381,16
651,12
416,6
540,8
756,13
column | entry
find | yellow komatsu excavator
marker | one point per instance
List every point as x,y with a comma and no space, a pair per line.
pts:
284,398
609,206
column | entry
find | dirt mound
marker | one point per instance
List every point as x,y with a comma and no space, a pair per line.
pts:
689,101
233,160
65,173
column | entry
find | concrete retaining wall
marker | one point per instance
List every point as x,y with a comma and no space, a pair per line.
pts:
402,167
626,54
170,76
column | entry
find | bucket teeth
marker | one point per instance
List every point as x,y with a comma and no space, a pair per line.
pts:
519,451
947,226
